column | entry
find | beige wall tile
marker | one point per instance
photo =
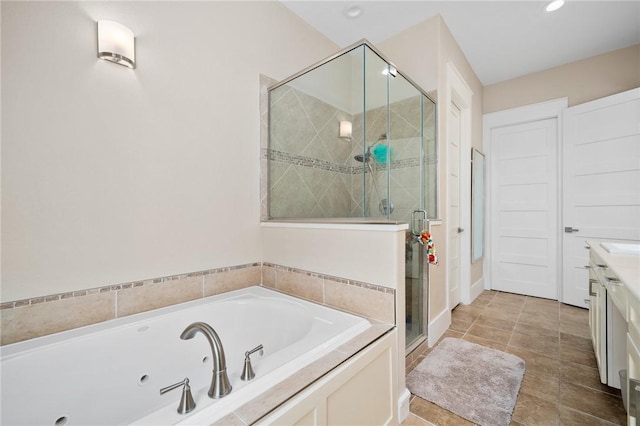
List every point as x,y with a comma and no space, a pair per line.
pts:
301,285
269,276
234,279
154,296
360,300
31,321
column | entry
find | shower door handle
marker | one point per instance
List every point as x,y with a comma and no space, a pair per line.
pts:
418,230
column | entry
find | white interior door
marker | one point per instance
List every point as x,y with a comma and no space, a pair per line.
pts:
454,205
524,208
601,182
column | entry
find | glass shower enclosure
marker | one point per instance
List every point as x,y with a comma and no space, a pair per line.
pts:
352,139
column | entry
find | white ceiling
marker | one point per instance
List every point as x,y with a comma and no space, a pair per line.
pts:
501,39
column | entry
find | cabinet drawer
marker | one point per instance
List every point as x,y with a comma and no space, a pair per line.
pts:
617,291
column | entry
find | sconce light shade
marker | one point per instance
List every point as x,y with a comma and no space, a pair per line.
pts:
345,130
116,43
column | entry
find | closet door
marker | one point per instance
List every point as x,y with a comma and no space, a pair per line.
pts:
524,208
455,238
522,147
601,183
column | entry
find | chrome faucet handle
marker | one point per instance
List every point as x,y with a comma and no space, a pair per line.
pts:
187,404
220,384
247,371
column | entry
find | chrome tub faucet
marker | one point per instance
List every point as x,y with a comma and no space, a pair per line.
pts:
220,385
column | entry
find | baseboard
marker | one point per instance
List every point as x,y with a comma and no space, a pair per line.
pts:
403,405
477,288
438,326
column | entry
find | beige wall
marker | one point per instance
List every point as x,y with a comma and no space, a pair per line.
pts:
111,175
580,81
415,52
364,253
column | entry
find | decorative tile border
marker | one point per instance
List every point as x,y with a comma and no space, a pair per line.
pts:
116,287
362,284
301,160
314,163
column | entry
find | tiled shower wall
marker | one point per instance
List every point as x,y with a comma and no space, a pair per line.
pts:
405,144
308,159
40,316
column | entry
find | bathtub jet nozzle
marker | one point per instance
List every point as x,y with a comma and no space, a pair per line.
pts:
220,385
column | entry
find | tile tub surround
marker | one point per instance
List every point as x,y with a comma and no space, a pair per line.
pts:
39,316
27,319
364,299
263,404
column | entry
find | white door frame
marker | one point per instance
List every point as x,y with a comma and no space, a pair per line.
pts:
459,93
519,115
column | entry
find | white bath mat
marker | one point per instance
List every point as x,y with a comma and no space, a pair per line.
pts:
477,383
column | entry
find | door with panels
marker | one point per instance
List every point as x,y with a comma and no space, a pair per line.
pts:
524,208
601,183
454,205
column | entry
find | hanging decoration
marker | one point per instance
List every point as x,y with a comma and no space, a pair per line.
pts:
425,239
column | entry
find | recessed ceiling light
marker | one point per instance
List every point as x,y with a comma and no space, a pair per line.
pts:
554,5
353,11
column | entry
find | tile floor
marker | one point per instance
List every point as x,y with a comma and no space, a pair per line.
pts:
561,383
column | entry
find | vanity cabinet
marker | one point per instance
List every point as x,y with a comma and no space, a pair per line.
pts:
614,319
633,360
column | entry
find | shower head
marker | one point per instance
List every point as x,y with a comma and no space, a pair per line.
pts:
362,158
365,158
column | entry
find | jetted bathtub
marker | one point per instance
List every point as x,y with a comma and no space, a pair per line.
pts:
111,373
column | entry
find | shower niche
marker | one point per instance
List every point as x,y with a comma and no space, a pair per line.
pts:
351,139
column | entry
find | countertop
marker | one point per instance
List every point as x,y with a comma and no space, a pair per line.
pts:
625,267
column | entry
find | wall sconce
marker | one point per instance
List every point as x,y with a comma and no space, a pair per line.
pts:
116,43
345,130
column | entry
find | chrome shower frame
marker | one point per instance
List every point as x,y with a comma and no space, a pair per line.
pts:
393,69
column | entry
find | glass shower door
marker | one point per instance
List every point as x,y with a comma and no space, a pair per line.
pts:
410,128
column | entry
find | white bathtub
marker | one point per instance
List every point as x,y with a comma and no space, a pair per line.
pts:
111,373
